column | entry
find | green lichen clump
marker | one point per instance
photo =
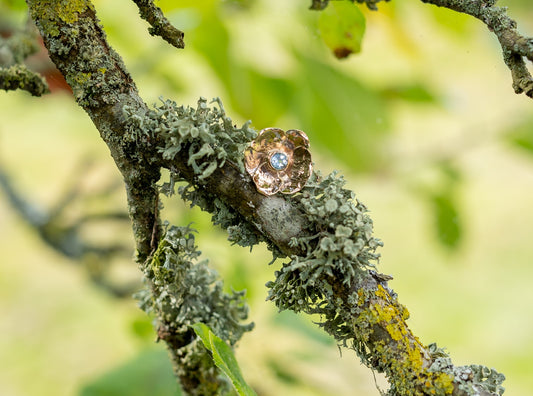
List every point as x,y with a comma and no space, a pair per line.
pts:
361,313
210,139
19,77
471,379
341,247
184,291
207,134
13,73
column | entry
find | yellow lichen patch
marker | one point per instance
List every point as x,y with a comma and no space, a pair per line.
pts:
390,314
82,78
51,12
402,359
444,382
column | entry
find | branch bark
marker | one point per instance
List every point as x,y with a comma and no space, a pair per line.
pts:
359,309
160,26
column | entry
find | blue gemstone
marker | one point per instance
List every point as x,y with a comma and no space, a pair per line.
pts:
279,161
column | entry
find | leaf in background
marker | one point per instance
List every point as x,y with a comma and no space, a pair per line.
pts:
211,40
446,214
449,231
143,328
15,4
340,114
149,373
522,136
302,327
342,26
452,22
258,97
283,373
415,93
224,358
252,94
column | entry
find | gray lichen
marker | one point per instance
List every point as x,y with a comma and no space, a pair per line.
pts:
210,139
184,291
207,134
331,272
341,246
13,73
19,77
470,379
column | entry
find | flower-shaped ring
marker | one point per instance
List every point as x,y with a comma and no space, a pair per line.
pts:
279,161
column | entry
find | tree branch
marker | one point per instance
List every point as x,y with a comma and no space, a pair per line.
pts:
515,47
326,233
66,237
102,87
160,26
13,74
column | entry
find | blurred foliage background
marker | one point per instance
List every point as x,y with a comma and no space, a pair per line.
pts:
423,123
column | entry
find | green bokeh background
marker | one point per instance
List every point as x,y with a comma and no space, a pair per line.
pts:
423,123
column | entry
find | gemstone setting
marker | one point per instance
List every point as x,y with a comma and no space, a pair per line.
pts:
279,161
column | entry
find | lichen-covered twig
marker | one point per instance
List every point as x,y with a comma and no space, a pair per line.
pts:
328,236
184,291
160,26
324,231
516,47
19,77
102,87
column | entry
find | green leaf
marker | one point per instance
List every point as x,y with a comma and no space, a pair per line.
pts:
256,96
303,328
16,4
224,358
342,26
149,373
449,231
142,327
415,93
522,136
341,115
